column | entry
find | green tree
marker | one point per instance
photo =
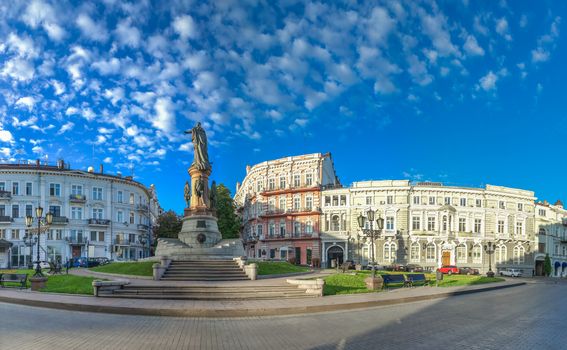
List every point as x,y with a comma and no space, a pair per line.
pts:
547,265
229,222
168,225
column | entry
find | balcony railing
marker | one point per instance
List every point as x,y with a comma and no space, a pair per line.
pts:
99,222
288,236
6,219
76,240
142,227
5,195
60,220
142,207
77,198
121,241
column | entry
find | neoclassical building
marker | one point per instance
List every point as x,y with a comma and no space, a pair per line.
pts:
280,205
551,224
95,214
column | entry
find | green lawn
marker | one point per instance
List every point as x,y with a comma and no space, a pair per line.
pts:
278,267
69,284
143,268
347,283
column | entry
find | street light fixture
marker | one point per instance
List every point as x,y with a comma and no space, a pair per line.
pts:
371,233
489,248
41,221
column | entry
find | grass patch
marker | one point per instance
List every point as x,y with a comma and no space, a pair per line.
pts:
69,284
143,268
464,280
278,267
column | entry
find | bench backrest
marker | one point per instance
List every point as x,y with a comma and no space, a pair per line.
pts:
416,277
14,277
393,278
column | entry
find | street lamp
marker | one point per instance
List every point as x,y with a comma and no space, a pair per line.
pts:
370,232
41,221
28,242
489,248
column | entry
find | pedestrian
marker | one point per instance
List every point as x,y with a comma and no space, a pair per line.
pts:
67,266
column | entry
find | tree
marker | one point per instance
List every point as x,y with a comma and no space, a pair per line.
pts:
168,225
229,222
547,265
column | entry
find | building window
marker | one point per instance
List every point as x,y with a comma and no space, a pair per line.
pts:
29,189
76,213
327,201
461,254
368,200
259,186
431,200
343,200
120,216
131,198
541,212
15,188
282,228
15,211
260,230
271,184
447,200
335,201
501,254
430,224
132,218
501,205
477,225
2,210
282,182
390,223
308,179
77,190
119,197
416,223
335,223
501,227
296,180
477,254
430,253
2,186
55,190
296,203
15,233
414,252
390,252
272,229
97,193
29,210
519,228
520,207
55,210
416,200
282,204
463,202
390,200
519,255
296,228
97,213
479,203
3,233
309,203
462,225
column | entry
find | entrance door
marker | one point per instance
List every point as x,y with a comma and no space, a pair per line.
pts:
76,251
446,258
335,252
297,256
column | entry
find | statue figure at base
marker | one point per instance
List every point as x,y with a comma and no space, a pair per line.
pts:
187,194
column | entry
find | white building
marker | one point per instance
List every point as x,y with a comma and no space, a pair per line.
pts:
551,223
95,214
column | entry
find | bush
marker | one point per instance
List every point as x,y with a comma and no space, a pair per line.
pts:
316,262
291,260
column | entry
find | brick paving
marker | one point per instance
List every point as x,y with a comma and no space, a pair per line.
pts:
527,317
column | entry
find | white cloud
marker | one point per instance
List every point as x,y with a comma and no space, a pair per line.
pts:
58,86
40,13
540,55
185,26
38,150
186,147
66,127
434,27
165,117
106,67
6,136
107,160
114,95
19,70
91,29
22,46
502,28
28,102
488,82
379,25
71,111
6,152
127,34
100,139
472,48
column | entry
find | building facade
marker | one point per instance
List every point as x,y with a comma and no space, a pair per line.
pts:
280,205
551,223
94,214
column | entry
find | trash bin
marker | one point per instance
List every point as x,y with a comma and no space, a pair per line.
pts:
333,263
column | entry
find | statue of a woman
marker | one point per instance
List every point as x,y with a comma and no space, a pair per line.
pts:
187,194
213,195
200,188
201,156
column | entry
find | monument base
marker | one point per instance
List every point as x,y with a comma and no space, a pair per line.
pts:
176,249
200,229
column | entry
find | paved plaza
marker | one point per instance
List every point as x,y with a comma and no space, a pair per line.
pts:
526,317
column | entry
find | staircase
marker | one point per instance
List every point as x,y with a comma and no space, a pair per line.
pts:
222,293
204,270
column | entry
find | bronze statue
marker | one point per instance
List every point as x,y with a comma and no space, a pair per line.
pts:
213,196
200,188
201,156
187,192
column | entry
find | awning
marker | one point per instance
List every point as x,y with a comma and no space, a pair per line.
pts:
557,264
564,265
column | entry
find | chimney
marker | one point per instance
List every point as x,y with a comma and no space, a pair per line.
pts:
101,169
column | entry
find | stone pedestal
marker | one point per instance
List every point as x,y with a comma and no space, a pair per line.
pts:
38,283
200,230
375,283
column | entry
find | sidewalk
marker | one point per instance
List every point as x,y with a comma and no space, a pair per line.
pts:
190,308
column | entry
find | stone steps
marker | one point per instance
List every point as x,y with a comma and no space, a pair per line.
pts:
204,270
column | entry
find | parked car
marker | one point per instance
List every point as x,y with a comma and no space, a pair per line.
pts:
414,268
42,265
469,271
396,267
449,269
511,273
79,262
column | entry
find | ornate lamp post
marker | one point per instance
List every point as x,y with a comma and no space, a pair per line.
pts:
489,248
28,242
372,282
43,223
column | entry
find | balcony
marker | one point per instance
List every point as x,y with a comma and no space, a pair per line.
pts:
99,222
5,195
121,241
142,207
274,212
5,219
77,198
60,220
78,240
288,236
143,227
289,189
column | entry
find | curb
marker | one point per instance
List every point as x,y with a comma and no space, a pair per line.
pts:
116,275
281,275
244,312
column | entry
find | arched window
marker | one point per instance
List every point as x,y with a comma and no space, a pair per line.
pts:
461,253
477,254
390,252
501,253
415,252
296,228
308,227
519,255
430,252
335,223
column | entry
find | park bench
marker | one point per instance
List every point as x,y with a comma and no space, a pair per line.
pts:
54,268
394,280
20,278
417,279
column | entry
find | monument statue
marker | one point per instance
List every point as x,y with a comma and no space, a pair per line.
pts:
201,156
200,187
187,192
213,196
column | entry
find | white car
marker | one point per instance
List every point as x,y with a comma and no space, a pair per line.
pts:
511,273
42,265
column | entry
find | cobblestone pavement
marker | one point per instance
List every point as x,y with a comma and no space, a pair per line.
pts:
526,317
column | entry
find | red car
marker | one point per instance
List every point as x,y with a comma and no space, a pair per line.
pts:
449,269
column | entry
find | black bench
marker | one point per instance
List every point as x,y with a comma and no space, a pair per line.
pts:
54,268
20,278
394,279
417,279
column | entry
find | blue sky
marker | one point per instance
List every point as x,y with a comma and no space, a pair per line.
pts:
463,92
